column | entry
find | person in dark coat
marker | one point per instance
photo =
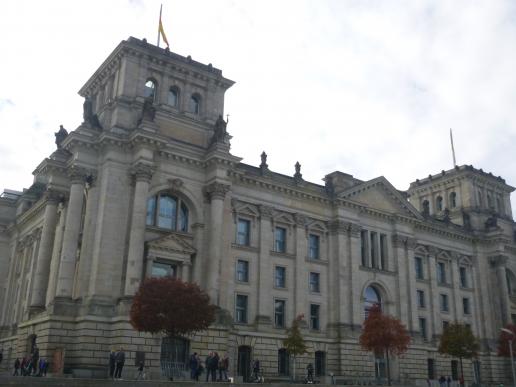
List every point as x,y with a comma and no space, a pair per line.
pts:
207,364
35,360
223,368
214,366
120,360
16,367
193,367
112,363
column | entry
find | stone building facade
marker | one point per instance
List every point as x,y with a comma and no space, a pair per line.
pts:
147,185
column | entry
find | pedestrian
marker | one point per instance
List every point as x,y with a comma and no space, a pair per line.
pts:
23,366
448,381
442,380
200,368
120,360
35,360
41,366
193,366
112,363
223,368
214,366
256,370
207,364
16,367
141,371
45,369
310,373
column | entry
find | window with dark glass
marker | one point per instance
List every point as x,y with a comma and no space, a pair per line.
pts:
466,306
314,282
419,268
439,203
455,369
241,309
463,277
441,273
173,96
371,298
383,251
320,363
314,246
314,316
150,90
162,211
279,313
374,252
422,327
443,298
283,362
160,269
242,271
279,276
243,232
421,298
453,200
426,207
195,103
446,324
280,239
431,368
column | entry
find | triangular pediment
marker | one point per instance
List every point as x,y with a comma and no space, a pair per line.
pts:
381,195
172,244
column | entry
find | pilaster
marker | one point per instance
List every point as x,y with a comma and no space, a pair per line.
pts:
263,300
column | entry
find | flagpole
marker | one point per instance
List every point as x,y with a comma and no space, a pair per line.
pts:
160,9
452,149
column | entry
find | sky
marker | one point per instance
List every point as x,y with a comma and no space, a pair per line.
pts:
366,87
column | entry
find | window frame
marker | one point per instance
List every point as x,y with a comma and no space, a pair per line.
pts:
419,260
466,306
314,252
314,286
421,301
444,304
283,313
154,215
441,274
244,311
177,92
154,94
423,327
280,246
247,236
284,269
195,109
237,271
315,320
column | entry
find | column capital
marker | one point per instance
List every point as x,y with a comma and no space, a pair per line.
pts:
142,171
265,211
354,230
52,196
338,226
217,190
499,260
77,174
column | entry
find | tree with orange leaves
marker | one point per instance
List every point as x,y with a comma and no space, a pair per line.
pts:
170,306
383,334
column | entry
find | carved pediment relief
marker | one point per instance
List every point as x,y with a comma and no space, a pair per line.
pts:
381,195
243,208
171,246
317,225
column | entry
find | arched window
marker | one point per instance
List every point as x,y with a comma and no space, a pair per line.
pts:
439,203
150,89
426,207
453,200
167,211
195,104
173,96
371,298
283,362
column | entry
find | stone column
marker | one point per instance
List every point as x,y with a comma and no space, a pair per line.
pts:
336,259
39,290
71,235
133,275
404,288
434,291
498,263
216,193
198,272
185,271
56,255
457,299
301,288
265,275
355,296
413,315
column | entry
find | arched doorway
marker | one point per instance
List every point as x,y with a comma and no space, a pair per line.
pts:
244,362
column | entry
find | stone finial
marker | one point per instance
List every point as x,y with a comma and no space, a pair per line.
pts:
298,176
60,136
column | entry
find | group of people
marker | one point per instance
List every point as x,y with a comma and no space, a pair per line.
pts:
32,365
212,364
447,381
116,363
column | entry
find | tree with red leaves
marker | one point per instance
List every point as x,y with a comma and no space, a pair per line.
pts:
294,343
503,341
383,334
170,306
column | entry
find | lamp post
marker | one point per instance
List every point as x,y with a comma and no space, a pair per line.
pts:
510,350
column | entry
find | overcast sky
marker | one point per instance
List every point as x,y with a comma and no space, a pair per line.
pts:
369,88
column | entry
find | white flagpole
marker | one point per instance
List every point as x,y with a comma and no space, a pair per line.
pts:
452,148
159,22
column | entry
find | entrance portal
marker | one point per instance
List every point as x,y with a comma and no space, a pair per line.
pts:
244,362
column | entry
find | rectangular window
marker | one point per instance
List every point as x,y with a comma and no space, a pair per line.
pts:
420,274
280,239
320,363
446,324
463,277
466,306
314,282
280,276
420,298
441,273
422,327
443,298
363,246
374,252
455,370
241,309
279,313
243,232
314,246
242,271
383,251
163,270
314,317
431,368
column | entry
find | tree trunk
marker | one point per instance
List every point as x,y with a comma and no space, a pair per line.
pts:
388,368
294,370
461,372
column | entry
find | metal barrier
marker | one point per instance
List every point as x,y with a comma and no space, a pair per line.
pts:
173,370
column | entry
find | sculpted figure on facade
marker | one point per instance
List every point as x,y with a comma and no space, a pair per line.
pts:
60,135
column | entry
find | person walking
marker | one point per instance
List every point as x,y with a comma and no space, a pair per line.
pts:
223,368
141,371
120,360
214,366
193,366
256,370
112,363
16,367
35,360
199,367
310,373
207,364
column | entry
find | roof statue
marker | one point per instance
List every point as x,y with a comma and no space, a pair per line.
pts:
60,136
220,134
89,118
